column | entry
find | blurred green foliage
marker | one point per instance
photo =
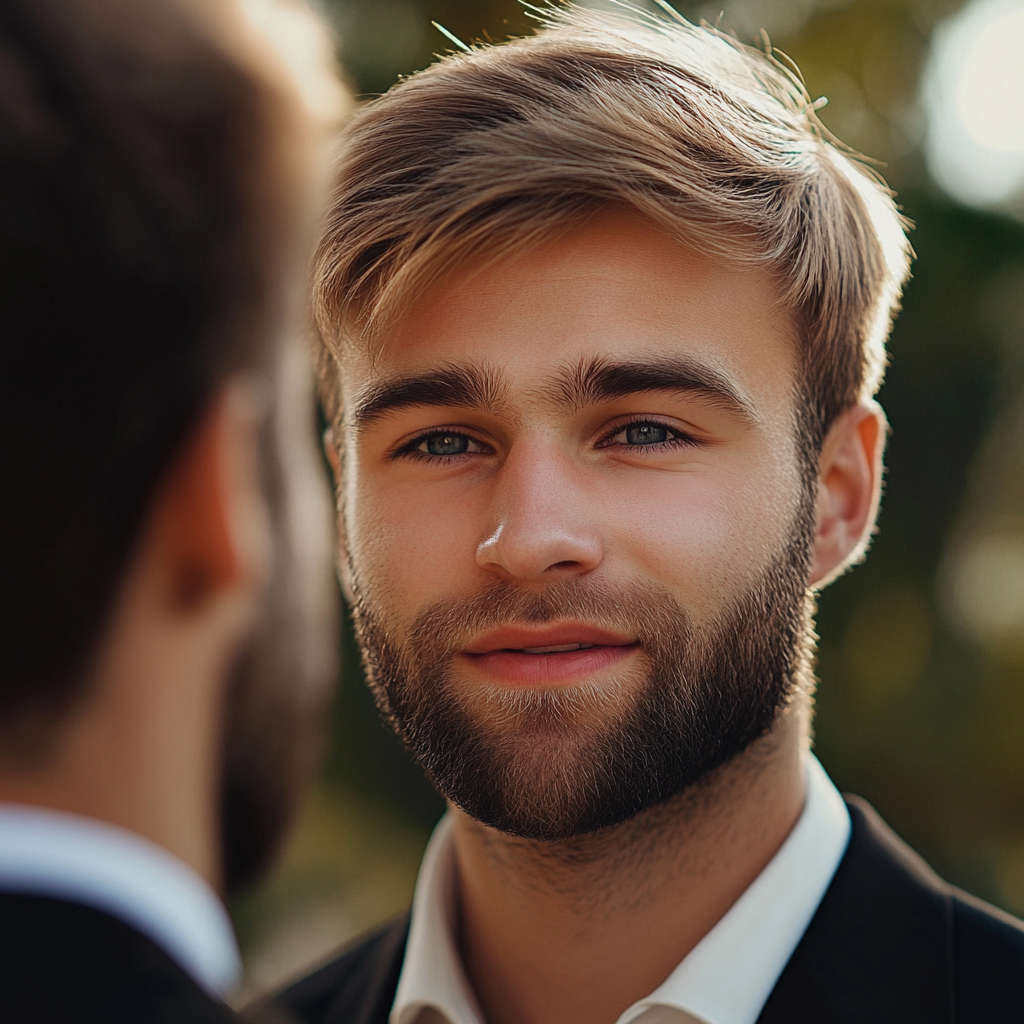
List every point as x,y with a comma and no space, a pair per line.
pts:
923,718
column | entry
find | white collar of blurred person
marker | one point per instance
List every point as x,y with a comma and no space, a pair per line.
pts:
726,979
81,860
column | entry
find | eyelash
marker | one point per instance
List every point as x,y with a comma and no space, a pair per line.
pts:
678,440
409,450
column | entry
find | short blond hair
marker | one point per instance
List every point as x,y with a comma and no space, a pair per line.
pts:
498,148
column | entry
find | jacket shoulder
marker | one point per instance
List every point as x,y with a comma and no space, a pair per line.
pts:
356,987
62,961
988,959
877,948
892,943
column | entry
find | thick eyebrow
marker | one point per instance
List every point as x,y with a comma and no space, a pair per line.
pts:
452,384
601,380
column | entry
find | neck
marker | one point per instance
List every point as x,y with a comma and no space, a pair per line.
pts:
577,931
140,749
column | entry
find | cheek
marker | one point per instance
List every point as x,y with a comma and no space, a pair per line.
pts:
409,544
704,536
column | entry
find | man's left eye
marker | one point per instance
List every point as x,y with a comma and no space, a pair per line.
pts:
639,434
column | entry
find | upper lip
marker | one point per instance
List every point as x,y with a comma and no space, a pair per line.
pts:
517,638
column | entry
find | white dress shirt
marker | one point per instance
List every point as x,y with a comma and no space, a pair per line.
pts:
727,977
81,860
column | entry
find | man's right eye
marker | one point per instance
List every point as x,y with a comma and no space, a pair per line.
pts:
444,443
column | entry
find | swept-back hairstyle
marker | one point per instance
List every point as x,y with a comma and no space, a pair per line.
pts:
156,170
493,150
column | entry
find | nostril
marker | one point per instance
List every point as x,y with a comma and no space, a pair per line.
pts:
568,564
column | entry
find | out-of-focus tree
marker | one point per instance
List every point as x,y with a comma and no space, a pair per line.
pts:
921,703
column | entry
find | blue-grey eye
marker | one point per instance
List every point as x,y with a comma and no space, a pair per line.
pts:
445,444
646,433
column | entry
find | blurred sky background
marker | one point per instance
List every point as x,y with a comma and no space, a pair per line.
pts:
921,702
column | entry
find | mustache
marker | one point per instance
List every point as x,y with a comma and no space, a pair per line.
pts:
638,609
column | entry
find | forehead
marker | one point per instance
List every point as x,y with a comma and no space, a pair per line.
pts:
616,288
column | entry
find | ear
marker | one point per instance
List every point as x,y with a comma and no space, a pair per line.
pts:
211,525
333,453
849,490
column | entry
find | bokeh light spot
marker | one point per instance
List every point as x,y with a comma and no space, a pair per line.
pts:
974,99
985,586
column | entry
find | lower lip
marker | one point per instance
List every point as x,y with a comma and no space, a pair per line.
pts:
557,669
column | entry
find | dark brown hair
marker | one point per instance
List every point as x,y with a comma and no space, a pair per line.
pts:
154,166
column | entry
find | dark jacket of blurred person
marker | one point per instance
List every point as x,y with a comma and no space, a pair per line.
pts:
168,623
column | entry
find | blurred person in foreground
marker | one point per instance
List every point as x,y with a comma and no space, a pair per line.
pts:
168,623
603,314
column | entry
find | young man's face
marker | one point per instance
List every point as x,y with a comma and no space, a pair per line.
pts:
577,528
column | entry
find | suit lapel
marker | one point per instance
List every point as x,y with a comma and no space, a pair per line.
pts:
357,988
383,970
878,950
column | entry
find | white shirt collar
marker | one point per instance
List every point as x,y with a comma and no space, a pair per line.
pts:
727,977
81,860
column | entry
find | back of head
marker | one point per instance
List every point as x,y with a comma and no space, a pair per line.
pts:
155,164
493,150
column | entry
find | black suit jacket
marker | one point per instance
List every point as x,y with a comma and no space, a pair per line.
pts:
63,963
891,943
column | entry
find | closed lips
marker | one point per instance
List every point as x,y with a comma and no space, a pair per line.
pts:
557,639
553,649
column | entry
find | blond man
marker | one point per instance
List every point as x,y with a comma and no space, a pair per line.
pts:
603,315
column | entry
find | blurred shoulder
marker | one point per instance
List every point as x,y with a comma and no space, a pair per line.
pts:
73,964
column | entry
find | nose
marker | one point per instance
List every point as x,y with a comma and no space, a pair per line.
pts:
543,521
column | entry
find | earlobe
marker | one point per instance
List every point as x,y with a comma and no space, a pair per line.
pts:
849,490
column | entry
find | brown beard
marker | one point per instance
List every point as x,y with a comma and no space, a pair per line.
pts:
553,764
275,720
